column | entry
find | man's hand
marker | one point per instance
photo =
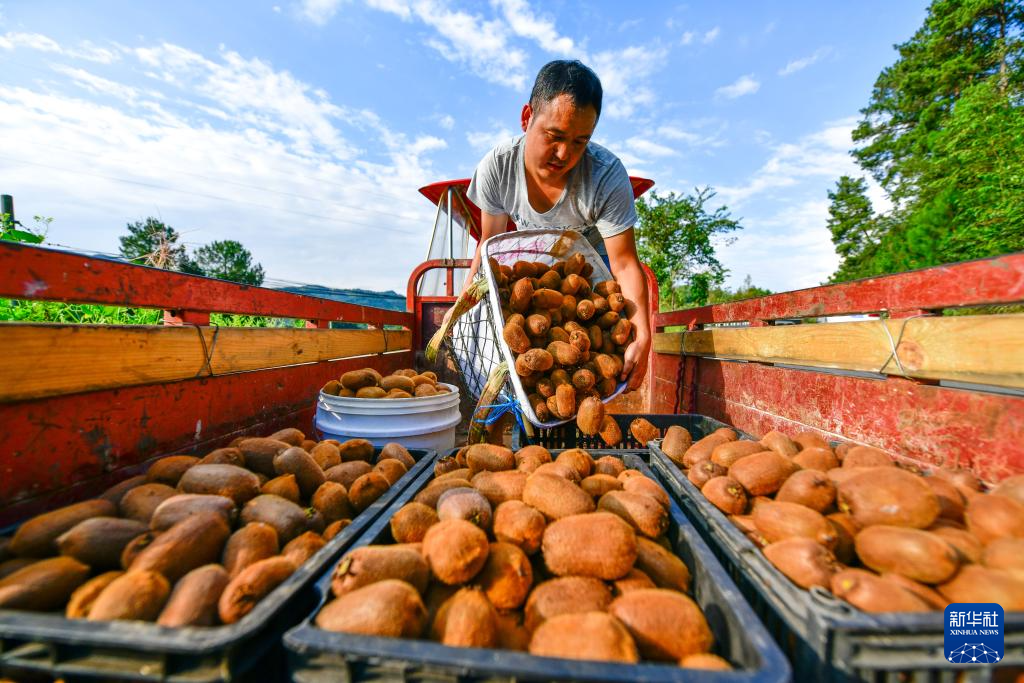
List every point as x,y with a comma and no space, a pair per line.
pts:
634,366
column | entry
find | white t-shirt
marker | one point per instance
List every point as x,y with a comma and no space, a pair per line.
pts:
597,201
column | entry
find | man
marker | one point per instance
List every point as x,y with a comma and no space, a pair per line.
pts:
553,176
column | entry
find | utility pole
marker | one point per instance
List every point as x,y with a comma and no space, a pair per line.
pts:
7,206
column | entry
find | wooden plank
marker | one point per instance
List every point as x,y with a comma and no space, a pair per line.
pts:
973,283
928,424
984,349
51,444
30,272
49,360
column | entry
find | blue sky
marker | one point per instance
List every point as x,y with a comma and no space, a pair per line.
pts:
303,129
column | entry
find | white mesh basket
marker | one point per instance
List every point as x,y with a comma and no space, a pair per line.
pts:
477,343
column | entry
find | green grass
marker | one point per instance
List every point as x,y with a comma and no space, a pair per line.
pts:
26,311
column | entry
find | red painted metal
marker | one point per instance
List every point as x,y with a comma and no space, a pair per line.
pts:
30,272
972,283
89,439
414,303
927,424
435,193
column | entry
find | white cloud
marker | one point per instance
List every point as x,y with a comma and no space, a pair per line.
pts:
97,84
690,138
744,85
483,140
447,122
800,64
86,50
687,38
399,7
711,36
319,11
525,23
623,73
653,149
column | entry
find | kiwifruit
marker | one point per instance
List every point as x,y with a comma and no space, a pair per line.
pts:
367,489
335,528
539,453
565,595
967,545
445,465
811,488
511,634
778,521
815,458
923,592
410,523
489,457
517,523
397,451
871,593
307,472
391,469
555,496
85,595
1011,487
43,585
975,583
916,554
303,547
648,487
224,456
260,453
596,485
287,518
252,543
643,431
810,440
356,449
251,585
191,543
804,561
331,501
586,635
704,471
611,433
99,541
609,464
506,577
137,595
665,624
964,480
456,550
676,442
840,475
577,459
664,568
634,580
465,503
498,487
558,469
38,536
644,513
1007,554
866,456
761,474
467,619
230,481
725,453
780,443
429,495
176,508
326,455
193,601
168,470
136,546
726,494
598,544
289,435
991,517
116,492
845,530
889,495
706,661
284,486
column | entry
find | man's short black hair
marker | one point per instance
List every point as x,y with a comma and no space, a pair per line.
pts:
567,77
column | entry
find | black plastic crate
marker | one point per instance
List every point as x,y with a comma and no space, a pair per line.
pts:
318,656
826,638
250,650
568,436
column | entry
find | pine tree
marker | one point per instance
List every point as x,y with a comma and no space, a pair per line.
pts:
226,260
853,226
153,243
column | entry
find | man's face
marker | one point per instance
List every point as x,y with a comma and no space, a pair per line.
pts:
557,134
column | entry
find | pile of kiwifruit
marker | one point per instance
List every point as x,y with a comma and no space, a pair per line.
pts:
880,534
368,383
567,335
563,557
196,541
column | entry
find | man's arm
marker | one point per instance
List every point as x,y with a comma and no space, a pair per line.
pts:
626,268
490,225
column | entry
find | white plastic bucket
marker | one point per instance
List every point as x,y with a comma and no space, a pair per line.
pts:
422,422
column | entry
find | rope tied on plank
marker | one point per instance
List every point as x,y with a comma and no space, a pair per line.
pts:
207,351
894,344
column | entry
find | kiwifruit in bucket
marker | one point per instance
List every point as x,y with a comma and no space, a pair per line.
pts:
517,523
565,595
916,554
136,595
588,635
193,601
666,625
991,517
889,495
761,474
410,523
726,494
804,561
871,593
811,488
597,544
778,521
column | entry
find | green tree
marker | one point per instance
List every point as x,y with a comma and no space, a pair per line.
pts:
853,225
748,290
675,237
153,243
225,260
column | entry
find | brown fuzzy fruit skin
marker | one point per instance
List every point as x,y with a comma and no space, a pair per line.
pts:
170,469
303,547
43,585
634,580
429,495
916,554
590,415
224,456
705,661
888,495
866,456
396,451
38,536
778,521
676,442
410,523
780,443
193,601
517,523
993,517
356,450
1011,487
807,440
810,488
191,543
260,453
287,518
703,472
354,380
465,503
284,486
610,432
642,512
726,494
662,566
577,459
969,547
99,541
845,530
705,446
326,455
391,469
331,501
116,492
388,608
456,550
871,593
592,636
290,435
366,489
803,561
648,487
489,457
565,595
335,528
498,487
666,625
307,472
596,485
555,496
250,544
815,458
728,452
974,583
598,544
82,599
466,619
951,501
347,472
507,576
609,464
762,474
137,595
925,593
643,431
184,505
230,481
254,583
1007,554
136,546
372,563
